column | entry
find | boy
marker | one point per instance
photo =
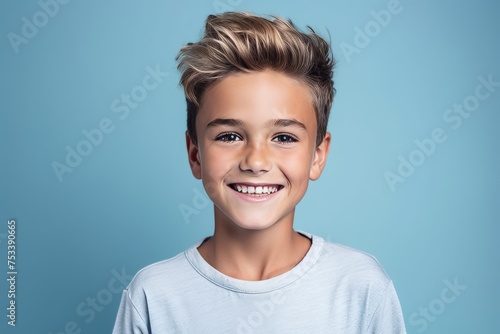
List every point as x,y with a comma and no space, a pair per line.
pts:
258,96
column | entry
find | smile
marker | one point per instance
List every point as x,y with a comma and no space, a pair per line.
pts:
254,189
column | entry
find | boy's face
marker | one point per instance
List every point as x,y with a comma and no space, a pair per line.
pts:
256,148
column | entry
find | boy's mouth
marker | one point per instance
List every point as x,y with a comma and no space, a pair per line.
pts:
256,189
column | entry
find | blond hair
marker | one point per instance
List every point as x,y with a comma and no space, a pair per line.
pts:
236,42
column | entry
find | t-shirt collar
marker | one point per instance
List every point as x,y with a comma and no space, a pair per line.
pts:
216,277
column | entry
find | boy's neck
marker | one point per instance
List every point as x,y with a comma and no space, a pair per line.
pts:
254,255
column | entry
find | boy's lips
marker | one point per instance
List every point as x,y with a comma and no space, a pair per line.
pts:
256,189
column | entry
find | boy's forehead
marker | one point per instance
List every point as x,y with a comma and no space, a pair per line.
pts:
257,96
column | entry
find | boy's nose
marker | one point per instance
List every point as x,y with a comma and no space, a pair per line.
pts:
256,159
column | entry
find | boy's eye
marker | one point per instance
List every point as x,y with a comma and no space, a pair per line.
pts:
228,137
284,139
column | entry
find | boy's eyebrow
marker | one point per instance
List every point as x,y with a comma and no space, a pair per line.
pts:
284,122
225,121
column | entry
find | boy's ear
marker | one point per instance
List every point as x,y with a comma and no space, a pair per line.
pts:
193,156
320,155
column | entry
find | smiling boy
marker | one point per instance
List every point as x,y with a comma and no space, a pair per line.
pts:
259,93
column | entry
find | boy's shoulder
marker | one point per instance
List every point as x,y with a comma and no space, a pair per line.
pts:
352,265
351,259
165,274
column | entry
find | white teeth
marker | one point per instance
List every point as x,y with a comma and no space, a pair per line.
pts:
259,190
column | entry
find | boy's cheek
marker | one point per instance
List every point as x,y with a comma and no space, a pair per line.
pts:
212,189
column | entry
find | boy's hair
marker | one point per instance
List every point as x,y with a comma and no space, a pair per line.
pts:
241,42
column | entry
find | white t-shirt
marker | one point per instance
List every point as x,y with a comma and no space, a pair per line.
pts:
334,289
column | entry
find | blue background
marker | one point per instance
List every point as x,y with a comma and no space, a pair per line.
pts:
120,208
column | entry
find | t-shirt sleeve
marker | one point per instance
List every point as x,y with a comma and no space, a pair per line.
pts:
129,320
388,317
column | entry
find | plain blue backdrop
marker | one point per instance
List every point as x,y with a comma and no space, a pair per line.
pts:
412,175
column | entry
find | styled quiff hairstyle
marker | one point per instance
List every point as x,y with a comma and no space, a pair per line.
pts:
241,42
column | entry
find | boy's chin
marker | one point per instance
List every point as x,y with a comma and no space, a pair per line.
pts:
254,225
251,221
